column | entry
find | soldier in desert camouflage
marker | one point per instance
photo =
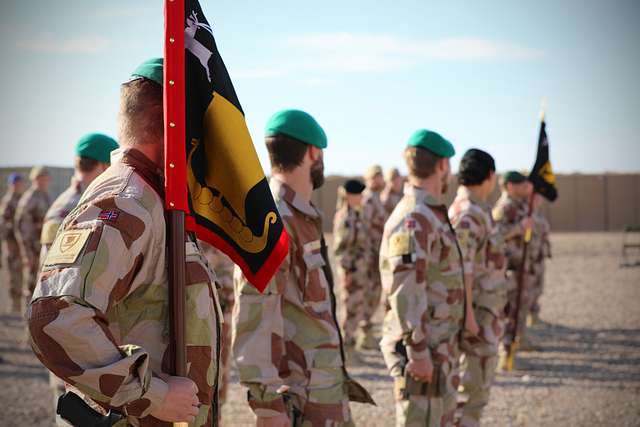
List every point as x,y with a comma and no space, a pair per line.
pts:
92,158
29,218
392,193
421,268
375,215
286,341
11,261
351,250
511,216
540,251
99,315
484,267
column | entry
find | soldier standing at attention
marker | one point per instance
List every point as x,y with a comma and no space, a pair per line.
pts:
484,266
421,268
510,215
10,249
286,341
29,218
99,315
375,215
92,158
392,192
351,249
540,247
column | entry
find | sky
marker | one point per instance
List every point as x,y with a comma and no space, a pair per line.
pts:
371,73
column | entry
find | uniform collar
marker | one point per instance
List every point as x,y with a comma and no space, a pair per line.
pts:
283,191
422,196
142,165
464,192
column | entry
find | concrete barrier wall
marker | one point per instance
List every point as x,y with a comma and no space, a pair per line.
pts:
585,203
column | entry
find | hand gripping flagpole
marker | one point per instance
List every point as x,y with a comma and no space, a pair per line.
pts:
175,178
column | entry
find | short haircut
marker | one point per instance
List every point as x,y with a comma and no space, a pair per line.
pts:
475,167
420,162
141,118
86,164
285,153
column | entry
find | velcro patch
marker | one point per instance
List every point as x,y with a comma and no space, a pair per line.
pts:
109,215
399,244
410,224
67,247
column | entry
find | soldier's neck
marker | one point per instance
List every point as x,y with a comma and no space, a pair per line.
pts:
432,184
299,180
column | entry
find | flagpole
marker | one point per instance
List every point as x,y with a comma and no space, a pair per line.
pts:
175,179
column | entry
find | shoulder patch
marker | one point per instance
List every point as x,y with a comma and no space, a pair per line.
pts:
67,247
399,244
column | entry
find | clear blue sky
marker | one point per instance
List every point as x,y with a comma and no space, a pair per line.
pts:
370,72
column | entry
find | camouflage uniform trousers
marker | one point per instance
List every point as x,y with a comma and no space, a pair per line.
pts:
510,310
537,287
420,404
480,360
309,414
11,262
30,256
353,286
373,294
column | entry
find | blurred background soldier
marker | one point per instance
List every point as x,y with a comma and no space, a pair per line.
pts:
392,192
223,267
352,253
422,274
510,214
484,266
93,152
29,218
286,340
540,247
375,215
11,261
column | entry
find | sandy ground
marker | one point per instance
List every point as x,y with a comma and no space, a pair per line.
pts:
586,372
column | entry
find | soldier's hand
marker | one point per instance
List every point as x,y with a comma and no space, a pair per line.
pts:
471,325
526,223
281,420
420,369
181,402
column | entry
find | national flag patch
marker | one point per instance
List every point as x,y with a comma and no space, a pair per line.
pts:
110,215
410,224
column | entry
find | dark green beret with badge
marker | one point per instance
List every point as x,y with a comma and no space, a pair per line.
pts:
96,146
298,125
151,69
433,142
514,177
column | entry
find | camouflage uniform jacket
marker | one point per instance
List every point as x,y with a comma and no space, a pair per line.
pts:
351,239
481,250
540,246
8,206
58,211
376,215
288,335
390,199
422,277
30,213
99,315
508,213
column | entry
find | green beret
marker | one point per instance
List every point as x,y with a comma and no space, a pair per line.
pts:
433,142
96,146
151,69
297,124
514,177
